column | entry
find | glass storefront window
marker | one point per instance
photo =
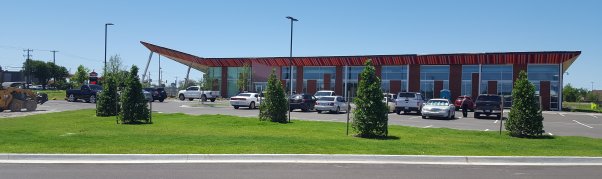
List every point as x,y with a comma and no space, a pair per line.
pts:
503,75
317,73
285,76
431,73
215,73
389,73
546,72
467,71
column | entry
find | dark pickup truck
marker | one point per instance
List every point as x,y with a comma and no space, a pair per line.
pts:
85,92
488,105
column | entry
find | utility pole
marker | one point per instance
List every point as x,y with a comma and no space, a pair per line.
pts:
54,56
27,64
592,86
28,55
159,82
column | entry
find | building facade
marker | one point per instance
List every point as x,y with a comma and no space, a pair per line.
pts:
463,73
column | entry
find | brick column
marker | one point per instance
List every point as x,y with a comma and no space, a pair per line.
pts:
544,92
491,87
414,78
455,80
516,68
338,83
394,86
224,91
299,79
438,86
311,86
326,82
475,85
378,71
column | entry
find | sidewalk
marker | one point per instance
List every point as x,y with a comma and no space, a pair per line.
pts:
301,158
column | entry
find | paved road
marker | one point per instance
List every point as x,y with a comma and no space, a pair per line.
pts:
258,170
555,123
50,106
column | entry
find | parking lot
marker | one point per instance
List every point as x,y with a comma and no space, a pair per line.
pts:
555,123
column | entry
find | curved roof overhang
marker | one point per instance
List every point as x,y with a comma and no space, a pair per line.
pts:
546,57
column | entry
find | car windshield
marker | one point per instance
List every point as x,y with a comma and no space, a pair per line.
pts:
437,102
322,94
244,94
489,98
149,89
96,87
406,95
326,99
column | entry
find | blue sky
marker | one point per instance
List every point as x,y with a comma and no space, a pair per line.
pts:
259,28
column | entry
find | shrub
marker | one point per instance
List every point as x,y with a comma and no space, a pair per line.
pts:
370,115
525,119
133,104
107,100
274,106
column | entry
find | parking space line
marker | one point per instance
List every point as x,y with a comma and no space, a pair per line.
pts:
550,133
495,122
561,114
428,126
415,117
486,129
595,116
583,124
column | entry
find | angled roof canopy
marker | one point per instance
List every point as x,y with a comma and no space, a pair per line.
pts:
202,64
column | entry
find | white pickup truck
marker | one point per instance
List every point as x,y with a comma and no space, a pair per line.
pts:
408,101
195,92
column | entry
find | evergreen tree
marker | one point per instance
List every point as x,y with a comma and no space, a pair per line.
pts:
370,116
525,119
107,100
133,104
274,106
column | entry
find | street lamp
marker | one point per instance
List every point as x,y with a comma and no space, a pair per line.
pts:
105,68
290,68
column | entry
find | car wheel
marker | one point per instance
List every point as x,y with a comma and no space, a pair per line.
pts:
71,98
398,112
319,112
92,99
423,117
212,99
203,98
476,115
181,97
161,100
190,99
291,109
338,110
252,105
235,107
498,116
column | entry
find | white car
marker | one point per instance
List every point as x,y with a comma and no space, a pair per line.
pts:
334,104
250,100
195,92
323,93
439,108
390,100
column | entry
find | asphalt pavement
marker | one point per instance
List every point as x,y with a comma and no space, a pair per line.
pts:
270,170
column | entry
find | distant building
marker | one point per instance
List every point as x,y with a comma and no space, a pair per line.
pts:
11,76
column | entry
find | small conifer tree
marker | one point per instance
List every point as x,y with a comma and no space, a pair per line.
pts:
133,104
274,106
525,119
370,116
108,97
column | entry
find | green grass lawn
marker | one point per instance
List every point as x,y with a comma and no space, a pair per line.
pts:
82,132
53,94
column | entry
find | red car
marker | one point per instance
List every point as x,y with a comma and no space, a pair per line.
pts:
458,103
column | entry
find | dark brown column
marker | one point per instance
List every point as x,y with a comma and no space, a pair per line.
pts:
311,86
394,86
455,80
326,82
284,84
224,91
516,68
414,78
338,83
378,71
299,79
544,92
438,86
491,87
475,85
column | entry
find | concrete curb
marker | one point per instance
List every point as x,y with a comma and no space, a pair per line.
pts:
300,158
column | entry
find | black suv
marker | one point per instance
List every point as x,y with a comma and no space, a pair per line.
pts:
488,105
158,93
305,102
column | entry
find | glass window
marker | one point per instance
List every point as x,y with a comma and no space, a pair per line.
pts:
431,73
389,73
215,74
467,71
546,72
503,75
286,77
317,73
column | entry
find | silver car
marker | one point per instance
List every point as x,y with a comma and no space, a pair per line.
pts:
438,108
334,104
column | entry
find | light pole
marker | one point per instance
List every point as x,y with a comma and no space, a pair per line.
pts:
105,67
290,68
